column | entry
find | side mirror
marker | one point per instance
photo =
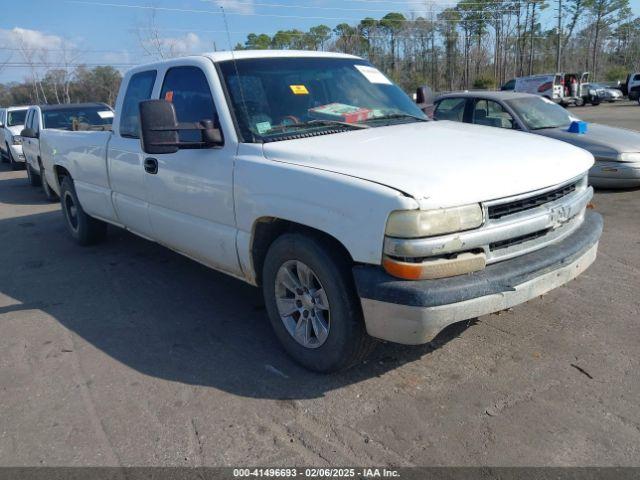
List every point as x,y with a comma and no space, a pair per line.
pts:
424,99
28,133
159,129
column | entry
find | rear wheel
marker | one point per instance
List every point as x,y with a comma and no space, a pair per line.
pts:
84,229
34,178
312,304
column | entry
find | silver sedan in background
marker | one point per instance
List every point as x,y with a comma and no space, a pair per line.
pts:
616,150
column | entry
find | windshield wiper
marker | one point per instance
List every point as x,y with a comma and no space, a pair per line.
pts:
320,123
548,127
393,116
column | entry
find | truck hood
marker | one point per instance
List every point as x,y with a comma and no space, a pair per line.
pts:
605,143
448,163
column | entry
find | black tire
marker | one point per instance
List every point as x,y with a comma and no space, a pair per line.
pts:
4,157
595,103
84,229
34,178
48,192
347,343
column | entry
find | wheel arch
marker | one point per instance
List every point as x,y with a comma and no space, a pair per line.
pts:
267,229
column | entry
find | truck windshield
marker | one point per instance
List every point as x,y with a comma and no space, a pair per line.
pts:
538,113
282,98
16,117
74,118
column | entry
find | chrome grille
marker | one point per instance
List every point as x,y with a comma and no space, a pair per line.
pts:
501,210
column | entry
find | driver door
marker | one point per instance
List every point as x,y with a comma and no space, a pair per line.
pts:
190,192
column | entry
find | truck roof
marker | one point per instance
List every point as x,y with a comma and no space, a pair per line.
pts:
244,54
247,54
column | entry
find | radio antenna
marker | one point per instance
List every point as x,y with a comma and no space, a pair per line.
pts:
235,66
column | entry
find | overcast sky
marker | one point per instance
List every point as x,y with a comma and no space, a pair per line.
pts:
108,31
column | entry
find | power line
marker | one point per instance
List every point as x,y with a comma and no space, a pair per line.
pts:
254,14
368,10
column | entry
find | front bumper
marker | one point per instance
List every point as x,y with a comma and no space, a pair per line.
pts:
16,152
615,174
414,312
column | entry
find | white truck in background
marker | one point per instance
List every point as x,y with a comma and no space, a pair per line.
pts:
632,86
11,123
315,177
42,119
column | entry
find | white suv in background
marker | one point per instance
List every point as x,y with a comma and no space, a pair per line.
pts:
12,123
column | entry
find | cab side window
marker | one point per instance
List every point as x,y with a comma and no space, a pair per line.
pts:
140,88
450,109
492,114
187,88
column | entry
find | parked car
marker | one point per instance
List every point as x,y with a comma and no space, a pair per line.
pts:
609,94
11,122
631,87
616,150
315,177
41,119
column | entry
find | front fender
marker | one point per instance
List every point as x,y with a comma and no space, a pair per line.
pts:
352,210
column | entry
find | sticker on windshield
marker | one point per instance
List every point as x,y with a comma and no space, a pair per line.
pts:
299,89
373,74
105,114
263,127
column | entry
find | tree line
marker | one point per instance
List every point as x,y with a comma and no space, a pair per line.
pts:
475,44
481,43
57,85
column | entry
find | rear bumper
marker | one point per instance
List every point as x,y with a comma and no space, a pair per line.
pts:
413,312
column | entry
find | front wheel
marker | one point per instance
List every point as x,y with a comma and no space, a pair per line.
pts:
84,229
312,304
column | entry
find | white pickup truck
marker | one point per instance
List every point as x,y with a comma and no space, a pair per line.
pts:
11,122
42,119
313,176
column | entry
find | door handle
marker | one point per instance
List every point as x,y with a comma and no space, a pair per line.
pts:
151,165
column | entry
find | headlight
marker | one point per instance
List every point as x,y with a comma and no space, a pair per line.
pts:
427,223
629,157
16,140
592,93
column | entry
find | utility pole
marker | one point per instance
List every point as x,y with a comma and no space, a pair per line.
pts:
559,50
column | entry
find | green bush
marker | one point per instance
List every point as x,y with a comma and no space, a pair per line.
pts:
484,83
616,73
